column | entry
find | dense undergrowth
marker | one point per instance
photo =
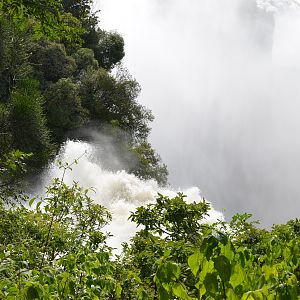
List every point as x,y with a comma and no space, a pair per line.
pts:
56,248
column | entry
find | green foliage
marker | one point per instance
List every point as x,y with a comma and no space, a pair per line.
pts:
109,49
174,218
12,166
63,107
82,10
227,271
44,11
213,263
45,18
85,60
41,40
112,99
27,123
148,164
69,32
14,53
55,248
171,229
51,62
5,135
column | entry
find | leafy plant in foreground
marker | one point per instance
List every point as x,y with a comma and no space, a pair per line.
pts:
56,250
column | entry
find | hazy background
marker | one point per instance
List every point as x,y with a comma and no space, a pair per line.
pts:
222,79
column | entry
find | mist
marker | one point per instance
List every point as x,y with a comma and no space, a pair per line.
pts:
221,78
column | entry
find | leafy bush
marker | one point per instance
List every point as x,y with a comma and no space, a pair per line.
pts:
57,250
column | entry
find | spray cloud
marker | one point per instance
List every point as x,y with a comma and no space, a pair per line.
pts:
221,79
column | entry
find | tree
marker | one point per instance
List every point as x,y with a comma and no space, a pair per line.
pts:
5,134
15,47
12,167
58,251
172,218
81,9
63,107
41,40
107,46
46,12
85,60
114,100
44,18
110,49
55,248
27,122
171,230
51,62
148,164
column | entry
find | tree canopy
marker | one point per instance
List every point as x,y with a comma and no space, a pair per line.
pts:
58,48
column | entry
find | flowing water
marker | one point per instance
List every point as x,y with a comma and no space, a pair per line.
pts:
120,192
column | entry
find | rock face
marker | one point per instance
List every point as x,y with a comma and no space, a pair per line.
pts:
258,26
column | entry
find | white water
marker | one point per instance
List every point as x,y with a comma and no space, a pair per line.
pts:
120,192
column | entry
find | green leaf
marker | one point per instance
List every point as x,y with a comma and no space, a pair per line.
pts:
223,267
32,293
172,270
163,294
180,291
167,287
238,276
253,295
208,245
221,237
194,261
242,259
141,294
207,267
31,201
228,251
38,205
231,295
211,282
269,271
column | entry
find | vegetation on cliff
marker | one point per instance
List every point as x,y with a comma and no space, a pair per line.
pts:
56,77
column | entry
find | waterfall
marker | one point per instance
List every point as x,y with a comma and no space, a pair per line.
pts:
120,192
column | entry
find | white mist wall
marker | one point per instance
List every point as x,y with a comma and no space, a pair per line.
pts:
226,114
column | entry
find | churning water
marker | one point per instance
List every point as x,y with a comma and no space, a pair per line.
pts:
120,192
